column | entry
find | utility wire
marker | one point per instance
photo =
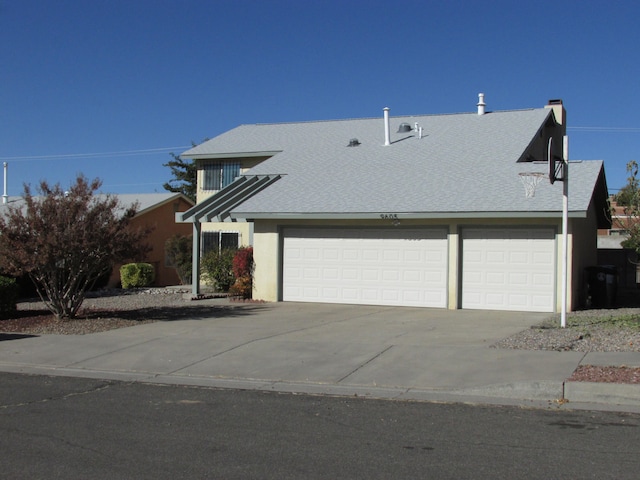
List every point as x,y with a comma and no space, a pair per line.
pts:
124,153
607,129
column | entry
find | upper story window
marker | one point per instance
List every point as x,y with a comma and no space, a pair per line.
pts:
219,175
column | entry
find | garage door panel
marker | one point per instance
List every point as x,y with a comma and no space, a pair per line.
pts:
376,266
508,269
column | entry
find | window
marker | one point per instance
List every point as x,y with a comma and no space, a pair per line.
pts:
216,241
219,175
618,232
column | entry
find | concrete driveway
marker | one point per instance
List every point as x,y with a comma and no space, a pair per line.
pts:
314,348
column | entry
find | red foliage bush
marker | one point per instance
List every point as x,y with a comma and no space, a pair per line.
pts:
243,272
243,262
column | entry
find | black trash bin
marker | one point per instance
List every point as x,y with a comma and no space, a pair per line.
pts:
602,286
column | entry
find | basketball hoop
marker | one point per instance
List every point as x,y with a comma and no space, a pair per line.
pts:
530,180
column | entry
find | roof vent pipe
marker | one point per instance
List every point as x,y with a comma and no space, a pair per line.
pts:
5,197
481,104
387,128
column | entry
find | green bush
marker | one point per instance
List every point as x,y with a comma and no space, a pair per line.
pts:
8,296
217,268
179,252
136,275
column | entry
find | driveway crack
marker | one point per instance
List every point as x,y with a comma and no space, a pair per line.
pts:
379,354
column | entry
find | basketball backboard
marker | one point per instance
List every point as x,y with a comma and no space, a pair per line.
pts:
556,164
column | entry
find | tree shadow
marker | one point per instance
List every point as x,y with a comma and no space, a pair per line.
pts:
177,312
14,336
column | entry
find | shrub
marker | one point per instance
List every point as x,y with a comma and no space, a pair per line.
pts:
243,262
66,239
243,273
179,254
217,268
8,296
136,275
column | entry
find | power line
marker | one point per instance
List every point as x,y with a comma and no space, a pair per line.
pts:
123,153
607,129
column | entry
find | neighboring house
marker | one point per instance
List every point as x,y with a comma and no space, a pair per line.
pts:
158,211
618,231
611,252
422,210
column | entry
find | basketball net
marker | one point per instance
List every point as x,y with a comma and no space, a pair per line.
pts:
530,180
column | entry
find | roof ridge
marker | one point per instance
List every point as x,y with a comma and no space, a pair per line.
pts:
299,122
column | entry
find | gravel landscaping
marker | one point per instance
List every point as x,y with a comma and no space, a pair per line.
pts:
108,310
615,330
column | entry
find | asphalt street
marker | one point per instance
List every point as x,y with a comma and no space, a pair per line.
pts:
61,427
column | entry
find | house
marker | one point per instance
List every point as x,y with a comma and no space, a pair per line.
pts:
610,249
157,210
425,210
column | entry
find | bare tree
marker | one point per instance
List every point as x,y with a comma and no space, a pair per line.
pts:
65,240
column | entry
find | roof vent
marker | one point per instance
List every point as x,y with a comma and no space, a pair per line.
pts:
404,128
387,132
481,104
354,142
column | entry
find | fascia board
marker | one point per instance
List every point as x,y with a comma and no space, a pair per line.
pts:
400,216
216,156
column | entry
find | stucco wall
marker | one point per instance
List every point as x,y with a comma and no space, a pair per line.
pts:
246,164
162,219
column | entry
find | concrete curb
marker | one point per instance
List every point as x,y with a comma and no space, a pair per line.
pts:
540,394
603,393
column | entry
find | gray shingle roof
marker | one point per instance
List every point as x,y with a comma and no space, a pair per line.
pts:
464,163
145,200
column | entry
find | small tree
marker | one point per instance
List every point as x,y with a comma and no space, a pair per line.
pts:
179,250
65,240
629,195
629,199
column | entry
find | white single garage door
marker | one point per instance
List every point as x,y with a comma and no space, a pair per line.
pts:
509,269
405,267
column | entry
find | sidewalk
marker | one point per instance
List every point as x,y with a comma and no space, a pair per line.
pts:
368,351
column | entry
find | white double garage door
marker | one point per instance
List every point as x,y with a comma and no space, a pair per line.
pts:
500,268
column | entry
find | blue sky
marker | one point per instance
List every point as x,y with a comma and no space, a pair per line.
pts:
110,87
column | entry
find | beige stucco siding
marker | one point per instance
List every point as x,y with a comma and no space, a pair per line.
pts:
266,258
246,164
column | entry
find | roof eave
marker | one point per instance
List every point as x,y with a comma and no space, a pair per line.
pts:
178,195
400,216
218,155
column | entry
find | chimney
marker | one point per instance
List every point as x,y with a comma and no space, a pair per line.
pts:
5,197
387,128
558,111
481,104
